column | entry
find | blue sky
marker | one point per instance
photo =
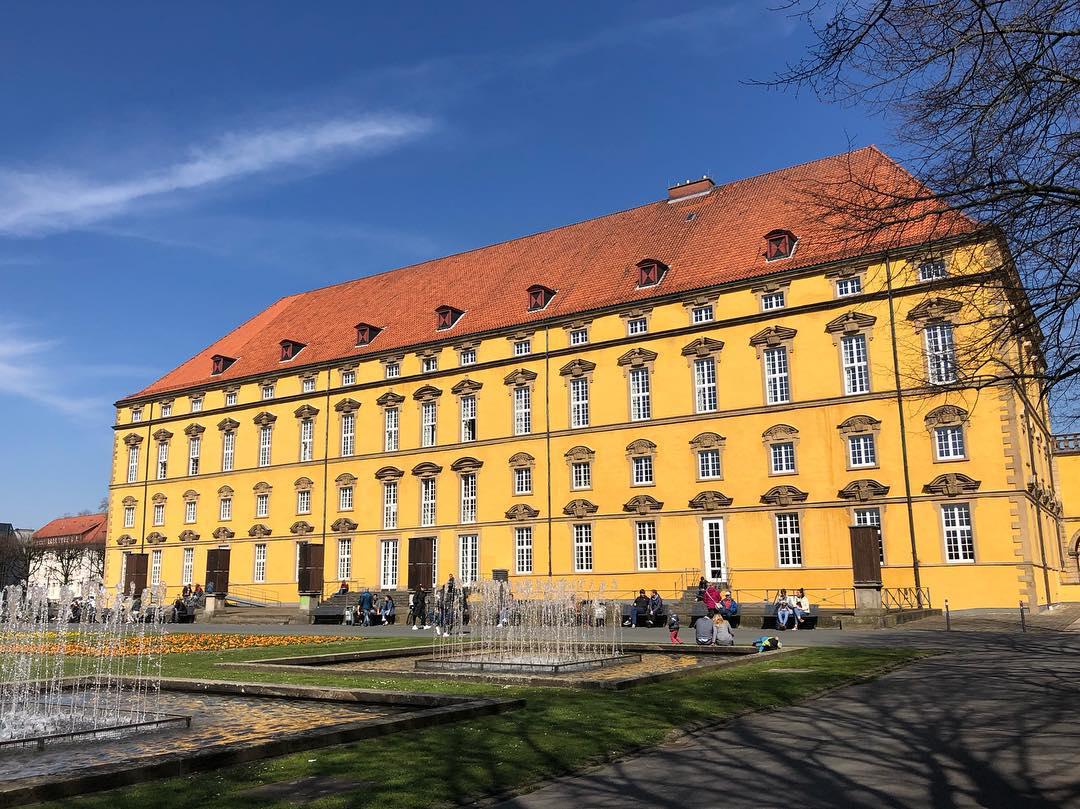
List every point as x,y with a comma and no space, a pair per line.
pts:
168,170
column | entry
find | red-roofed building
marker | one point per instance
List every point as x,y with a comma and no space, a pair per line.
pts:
702,385
69,551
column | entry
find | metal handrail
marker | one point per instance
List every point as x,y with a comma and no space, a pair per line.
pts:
825,597
905,598
257,596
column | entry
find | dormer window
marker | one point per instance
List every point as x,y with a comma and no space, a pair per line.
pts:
539,297
365,333
650,272
446,317
289,349
219,364
780,244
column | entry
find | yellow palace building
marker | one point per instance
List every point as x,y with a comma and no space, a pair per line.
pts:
711,384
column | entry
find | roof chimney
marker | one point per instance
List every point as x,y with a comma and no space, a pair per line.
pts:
690,188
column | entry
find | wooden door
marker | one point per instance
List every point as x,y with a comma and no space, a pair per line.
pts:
421,562
135,573
217,569
310,574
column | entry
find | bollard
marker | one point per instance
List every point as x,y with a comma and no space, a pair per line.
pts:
1023,623
948,618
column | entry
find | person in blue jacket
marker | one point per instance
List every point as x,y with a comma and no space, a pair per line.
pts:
728,606
365,607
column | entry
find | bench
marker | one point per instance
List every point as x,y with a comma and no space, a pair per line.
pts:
658,619
699,610
328,615
768,620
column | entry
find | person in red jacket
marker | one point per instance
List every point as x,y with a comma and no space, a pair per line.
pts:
712,599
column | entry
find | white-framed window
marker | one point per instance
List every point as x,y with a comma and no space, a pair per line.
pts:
579,337
429,365
872,518
162,460
389,518
427,424
949,443
637,325
782,457
348,377
788,539
159,513
467,356
772,300
777,382
523,549
194,450
303,501
705,385
581,475
392,370
267,392
228,450
848,286
713,536
861,450
523,480
307,439
259,575
262,504
468,418
468,559
522,410
166,409
855,360
266,433
701,314
230,398
136,415
308,385
348,434
645,536
344,559
155,567
959,537
388,564
345,498
391,418
583,555
225,508
129,516
190,511
932,269
522,348
708,463
133,464
643,471
640,395
187,568
468,498
579,402
427,502
940,353
196,405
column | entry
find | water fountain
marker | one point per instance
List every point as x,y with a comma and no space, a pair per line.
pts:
548,626
86,666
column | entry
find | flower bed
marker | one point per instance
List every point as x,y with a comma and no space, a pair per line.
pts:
179,643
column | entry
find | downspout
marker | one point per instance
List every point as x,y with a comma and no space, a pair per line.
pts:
326,473
903,435
146,480
547,437
1034,475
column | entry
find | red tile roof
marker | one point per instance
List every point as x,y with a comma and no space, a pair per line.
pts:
591,264
90,528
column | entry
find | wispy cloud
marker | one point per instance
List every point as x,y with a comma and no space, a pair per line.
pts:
42,201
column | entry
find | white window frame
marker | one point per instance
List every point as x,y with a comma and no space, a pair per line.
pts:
348,435
262,505
266,444
166,409
582,481
348,378
194,453
390,504
642,474
307,439
932,269
714,544
129,516
862,450
709,464
155,566
579,337
523,550
228,450
705,390
230,398
788,539
429,365
522,410
267,392
950,437
636,326
225,509
579,402
187,567
522,348
162,460
388,564
191,512
258,575
846,287
468,498
855,361
346,498
958,533
391,429
308,385
583,547
159,514
344,559
782,459
467,356
640,394
392,370
428,502
429,424
771,301
777,375
645,545
702,314
468,559
467,408
196,405
136,415
523,480
940,344
303,501
133,464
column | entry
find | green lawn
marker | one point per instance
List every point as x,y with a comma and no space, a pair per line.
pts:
559,731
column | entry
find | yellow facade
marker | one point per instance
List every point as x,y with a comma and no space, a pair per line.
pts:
1017,549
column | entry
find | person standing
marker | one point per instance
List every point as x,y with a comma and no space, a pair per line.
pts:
673,628
420,608
365,607
711,599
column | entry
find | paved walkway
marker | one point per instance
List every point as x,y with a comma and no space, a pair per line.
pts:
994,724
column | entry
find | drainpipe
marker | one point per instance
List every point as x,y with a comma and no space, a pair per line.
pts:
547,436
326,472
903,436
146,479
1034,474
